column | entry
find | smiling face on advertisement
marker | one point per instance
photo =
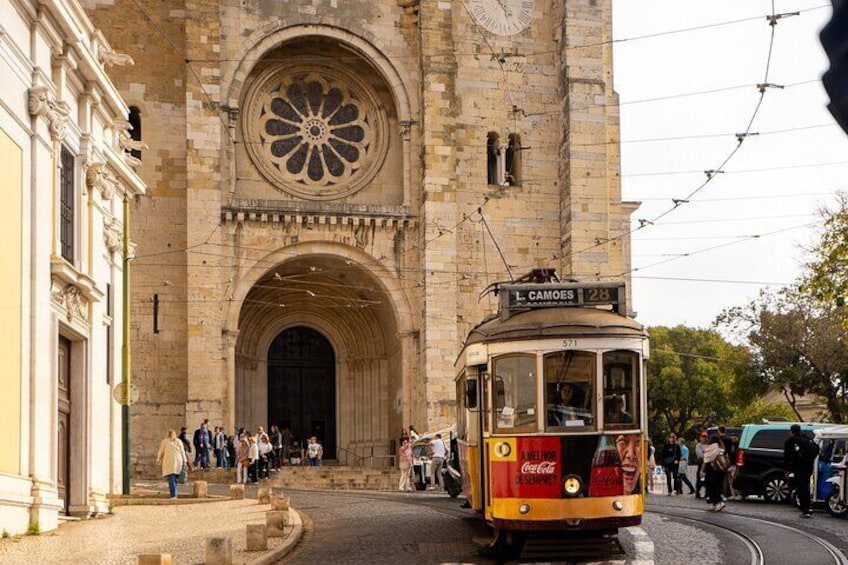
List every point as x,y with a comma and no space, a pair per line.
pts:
631,461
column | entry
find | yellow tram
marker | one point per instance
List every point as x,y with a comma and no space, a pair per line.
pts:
551,405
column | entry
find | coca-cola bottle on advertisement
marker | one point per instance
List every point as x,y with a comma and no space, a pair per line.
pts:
606,478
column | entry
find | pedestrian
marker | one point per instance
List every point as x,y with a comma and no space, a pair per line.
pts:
670,457
714,474
405,465
288,441
220,444
202,441
184,437
440,453
730,450
652,464
253,460
799,455
276,448
413,434
683,468
172,457
265,455
232,458
699,459
242,459
314,452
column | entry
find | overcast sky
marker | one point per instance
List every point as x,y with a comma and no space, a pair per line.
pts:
760,213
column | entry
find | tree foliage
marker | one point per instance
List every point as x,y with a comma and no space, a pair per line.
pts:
826,278
695,379
798,345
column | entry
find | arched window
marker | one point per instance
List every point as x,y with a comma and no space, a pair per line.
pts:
135,133
494,163
512,161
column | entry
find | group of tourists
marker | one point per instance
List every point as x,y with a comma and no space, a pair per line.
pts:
254,454
715,455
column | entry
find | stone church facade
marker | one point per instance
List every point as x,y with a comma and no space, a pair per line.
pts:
331,185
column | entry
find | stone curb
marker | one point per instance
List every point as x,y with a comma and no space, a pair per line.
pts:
286,546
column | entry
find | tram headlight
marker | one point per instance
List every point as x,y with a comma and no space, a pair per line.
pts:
617,505
571,485
524,509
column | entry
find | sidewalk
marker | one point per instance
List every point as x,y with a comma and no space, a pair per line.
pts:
178,529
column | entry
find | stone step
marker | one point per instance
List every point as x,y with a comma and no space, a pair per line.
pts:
330,477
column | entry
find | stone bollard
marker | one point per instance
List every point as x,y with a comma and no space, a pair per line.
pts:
279,502
257,537
264,495
219,551
276,521
237,492
200,489
154,559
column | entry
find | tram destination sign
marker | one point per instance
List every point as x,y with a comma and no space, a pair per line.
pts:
518,297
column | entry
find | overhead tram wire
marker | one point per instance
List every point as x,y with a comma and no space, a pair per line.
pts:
772,19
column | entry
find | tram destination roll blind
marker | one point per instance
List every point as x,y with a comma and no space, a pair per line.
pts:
519,297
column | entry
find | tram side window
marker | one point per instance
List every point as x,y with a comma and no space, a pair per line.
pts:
569,380
515,392
621,389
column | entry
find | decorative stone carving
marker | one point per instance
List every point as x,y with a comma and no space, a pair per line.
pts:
75,305
97,176
317,134
42,103
111,58
130,144
127,143
113,234
131,161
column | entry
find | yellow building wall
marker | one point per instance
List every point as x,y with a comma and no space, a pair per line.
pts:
11,183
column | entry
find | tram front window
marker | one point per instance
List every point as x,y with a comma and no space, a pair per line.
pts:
621,389
515,387
569,376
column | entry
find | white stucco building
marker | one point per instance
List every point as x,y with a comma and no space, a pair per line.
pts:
65,175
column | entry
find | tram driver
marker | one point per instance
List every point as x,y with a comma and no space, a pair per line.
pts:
568,406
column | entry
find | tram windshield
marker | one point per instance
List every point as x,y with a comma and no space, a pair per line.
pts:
621,389
515,386
569,376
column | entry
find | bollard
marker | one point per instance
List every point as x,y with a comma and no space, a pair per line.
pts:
279,502
200,489
264,495
256,536
237,492
219,551
276,521
154,559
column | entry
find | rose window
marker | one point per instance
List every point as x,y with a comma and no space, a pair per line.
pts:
315,134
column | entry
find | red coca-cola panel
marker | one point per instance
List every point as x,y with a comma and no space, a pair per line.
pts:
536,471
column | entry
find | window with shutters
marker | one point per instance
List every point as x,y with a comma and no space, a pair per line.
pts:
67,206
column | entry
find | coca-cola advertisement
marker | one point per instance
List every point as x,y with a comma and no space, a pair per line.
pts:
533,471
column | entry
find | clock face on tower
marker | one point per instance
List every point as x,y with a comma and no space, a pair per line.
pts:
503,17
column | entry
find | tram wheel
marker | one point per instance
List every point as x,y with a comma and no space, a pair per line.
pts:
506,546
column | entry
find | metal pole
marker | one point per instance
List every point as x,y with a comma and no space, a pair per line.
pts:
125,352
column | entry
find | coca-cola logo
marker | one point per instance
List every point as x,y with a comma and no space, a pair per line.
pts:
540,468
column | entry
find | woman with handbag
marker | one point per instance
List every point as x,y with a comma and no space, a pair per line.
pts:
172,457
715,466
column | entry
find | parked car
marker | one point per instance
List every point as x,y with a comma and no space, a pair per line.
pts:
760,470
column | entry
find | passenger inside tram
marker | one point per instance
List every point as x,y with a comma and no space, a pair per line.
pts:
567,405
615,411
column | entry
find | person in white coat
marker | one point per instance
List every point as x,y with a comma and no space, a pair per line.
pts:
172,457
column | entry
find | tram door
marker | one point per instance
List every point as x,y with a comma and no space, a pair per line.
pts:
302,386
64,421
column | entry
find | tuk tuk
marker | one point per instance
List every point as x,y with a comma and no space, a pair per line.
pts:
828,480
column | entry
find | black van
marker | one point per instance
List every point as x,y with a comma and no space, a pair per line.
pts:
760,470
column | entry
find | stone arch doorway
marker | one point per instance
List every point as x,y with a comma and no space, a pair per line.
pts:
302,386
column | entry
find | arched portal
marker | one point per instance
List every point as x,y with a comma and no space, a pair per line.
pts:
325,315
302,386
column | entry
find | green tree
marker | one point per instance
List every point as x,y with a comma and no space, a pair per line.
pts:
694,379
798,345
826,278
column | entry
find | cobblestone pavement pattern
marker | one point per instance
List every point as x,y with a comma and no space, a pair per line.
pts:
180,530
